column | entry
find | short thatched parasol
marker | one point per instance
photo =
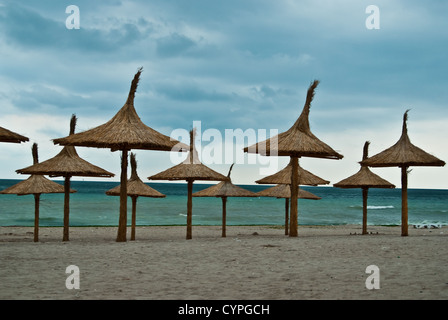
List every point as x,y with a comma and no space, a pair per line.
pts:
283,177
284,191
136,188
296,142
403,154
223,190
36,185
304,177
364,179
125,131
191,169
67,164
9,136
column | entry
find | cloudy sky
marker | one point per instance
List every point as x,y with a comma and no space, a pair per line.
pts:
233,64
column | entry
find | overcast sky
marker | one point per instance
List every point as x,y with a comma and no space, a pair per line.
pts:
233,64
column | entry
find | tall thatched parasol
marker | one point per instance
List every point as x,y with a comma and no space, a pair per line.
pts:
9,136
223,190
284,191
36,185
364,179
191,169
125,131
67,164
403,154
296,142
136,188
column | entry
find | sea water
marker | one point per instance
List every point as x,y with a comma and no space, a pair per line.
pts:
90,206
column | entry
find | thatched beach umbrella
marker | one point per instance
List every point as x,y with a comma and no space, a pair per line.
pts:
136,188
364,179
296,142
223,190
304,177
283,191
35,185
403,154
67,164
125,131
9,136
283,178
191,169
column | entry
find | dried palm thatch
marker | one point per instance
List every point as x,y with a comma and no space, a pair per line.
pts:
136,188
296,142
9,136
191,169
35,185
284,177
403,154
125,131
364,179
67,164
284,191
223,190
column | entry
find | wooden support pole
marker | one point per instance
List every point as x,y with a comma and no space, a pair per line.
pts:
66,208
286,216
36,216
404,201
189,208
365,192
122,221
294,195
224,216
134,216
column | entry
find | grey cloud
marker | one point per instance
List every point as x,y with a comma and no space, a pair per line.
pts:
173,45
190,91
29,29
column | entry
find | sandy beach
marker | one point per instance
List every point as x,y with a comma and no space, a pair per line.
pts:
252,262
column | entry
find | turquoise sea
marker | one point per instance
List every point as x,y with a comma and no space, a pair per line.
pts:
90,206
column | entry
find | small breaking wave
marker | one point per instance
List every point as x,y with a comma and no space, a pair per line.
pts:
380,207
373,207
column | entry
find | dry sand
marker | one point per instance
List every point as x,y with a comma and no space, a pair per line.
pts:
253,262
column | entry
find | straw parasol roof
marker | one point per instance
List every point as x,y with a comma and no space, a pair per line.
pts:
36,185
403,154
9,136
67,164
191,169
284,177
136,188
364,179
125,131
284,191
296,142
223,190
